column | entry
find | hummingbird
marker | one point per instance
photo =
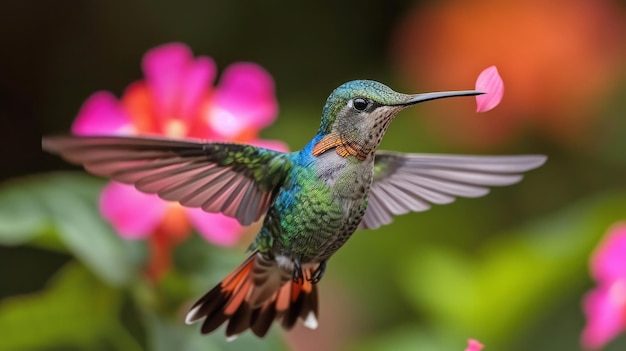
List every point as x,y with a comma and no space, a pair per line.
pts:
311,201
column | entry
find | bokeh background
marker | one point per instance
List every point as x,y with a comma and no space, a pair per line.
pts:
509,269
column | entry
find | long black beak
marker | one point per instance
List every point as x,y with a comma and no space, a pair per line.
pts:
417,98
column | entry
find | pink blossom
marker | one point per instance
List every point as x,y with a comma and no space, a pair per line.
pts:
490,83
119,204
473,345
176,99
605,305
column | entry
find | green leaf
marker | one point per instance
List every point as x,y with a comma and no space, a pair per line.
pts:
64,206
408,338
497,292
22,218
76,310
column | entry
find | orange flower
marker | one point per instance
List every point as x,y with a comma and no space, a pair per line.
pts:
559,59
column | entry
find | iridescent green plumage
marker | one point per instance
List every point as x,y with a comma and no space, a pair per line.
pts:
312,200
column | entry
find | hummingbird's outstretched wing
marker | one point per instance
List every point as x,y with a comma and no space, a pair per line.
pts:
234,179
411,182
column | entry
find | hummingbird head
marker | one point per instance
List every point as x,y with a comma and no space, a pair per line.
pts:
357,114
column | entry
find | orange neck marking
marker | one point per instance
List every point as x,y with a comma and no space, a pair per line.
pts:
344,148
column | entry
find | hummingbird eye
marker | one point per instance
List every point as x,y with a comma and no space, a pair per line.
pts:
360,104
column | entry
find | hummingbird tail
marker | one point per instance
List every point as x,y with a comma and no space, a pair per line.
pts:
255,294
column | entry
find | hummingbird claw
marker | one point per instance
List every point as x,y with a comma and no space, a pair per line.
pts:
318,273
298,277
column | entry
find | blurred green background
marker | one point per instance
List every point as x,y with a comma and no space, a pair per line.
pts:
508,269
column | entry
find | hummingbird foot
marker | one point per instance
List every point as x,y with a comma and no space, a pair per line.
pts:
318,273
298,276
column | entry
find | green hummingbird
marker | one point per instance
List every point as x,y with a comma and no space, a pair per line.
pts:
311,200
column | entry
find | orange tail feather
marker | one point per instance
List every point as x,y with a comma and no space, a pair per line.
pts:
254,295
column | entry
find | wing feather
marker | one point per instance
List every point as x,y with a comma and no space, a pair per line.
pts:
411,182
234,179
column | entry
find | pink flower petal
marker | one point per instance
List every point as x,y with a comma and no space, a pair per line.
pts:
244,99
605,309
195,85
176,81
102,114
163,67
490,83
473,345
133,214
215,227
608,262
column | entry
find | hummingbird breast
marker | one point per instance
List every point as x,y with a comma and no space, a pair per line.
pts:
319,207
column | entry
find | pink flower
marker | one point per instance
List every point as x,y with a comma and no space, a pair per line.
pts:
490,83
605,306
473,345
176,99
